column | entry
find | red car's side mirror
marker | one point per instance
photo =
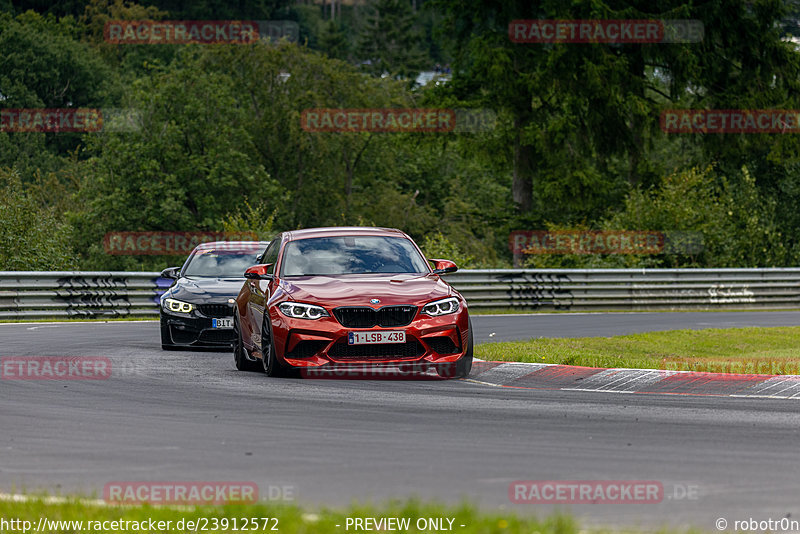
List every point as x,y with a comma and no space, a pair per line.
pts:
444,266
259,272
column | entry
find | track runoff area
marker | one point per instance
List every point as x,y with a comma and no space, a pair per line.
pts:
612,448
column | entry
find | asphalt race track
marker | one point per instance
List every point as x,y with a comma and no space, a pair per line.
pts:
177,416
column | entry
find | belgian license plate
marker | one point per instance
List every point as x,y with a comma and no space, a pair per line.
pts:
381,336
225,322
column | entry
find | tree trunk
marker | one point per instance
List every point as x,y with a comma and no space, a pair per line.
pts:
522,185
636,126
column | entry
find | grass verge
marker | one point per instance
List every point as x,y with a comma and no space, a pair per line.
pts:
290,519
773,350
521,310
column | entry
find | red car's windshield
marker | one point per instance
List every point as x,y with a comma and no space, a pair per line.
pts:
351,255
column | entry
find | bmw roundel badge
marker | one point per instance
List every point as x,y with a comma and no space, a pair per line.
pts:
374,301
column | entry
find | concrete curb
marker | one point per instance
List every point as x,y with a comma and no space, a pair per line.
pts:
574,378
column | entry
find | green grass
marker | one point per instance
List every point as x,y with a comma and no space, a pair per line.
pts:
530,310
774,350
291,519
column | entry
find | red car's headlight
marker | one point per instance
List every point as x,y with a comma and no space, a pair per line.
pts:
441,307
299,310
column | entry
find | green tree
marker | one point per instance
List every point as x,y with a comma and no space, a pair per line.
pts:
390,40
584,116
32,238
44,66
188,164
333,41
737,221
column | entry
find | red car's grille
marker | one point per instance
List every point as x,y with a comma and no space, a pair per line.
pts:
409,349
365,317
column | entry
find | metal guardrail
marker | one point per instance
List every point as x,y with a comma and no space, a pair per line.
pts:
630,289
31,295
75,294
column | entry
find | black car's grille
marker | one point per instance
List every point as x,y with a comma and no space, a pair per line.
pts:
215,310
410,349
442,344
365,317
182,337
216,336
306,349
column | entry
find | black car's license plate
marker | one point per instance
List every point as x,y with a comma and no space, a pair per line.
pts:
225,322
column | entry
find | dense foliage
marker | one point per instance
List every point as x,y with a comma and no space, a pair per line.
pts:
215,140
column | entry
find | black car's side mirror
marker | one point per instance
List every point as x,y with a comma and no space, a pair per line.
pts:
171,272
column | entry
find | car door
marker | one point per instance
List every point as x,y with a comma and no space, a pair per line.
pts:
259,292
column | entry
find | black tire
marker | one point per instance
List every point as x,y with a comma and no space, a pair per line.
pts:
239,356
462,367
269,362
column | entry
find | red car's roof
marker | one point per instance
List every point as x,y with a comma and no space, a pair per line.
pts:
338,231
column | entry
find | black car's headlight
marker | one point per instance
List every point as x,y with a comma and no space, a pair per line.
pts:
298,310
177,306
441,307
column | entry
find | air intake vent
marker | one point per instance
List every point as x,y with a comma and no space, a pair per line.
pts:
408,350
366,317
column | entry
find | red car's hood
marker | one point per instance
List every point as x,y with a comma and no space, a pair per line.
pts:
359,289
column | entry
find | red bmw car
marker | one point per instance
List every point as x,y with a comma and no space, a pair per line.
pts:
328,298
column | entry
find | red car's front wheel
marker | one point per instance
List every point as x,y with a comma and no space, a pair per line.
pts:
269,360
463,366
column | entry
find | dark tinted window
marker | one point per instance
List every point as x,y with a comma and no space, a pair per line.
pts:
271,255
220,263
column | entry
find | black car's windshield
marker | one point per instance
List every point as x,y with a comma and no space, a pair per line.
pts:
220,263
351,255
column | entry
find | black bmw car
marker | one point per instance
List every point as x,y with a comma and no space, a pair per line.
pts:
197,309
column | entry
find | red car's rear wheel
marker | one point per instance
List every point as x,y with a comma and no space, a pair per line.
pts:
239,356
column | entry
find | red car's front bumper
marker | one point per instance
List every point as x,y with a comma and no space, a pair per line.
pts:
430,341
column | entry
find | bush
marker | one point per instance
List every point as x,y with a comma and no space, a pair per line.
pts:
32,237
